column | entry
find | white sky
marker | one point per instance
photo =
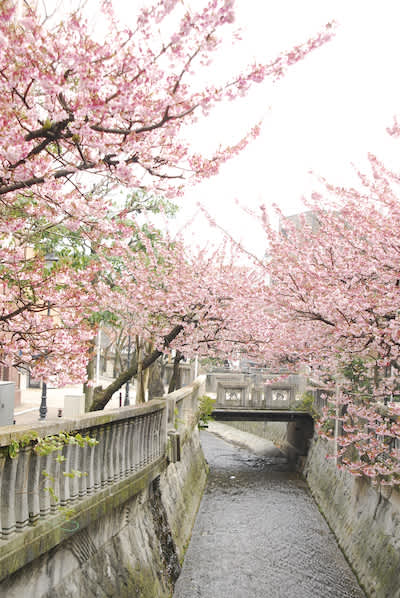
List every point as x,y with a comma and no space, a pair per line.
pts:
328,112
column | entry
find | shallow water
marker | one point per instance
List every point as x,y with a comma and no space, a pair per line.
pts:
259,534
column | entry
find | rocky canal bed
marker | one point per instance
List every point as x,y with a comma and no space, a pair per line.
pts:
259,533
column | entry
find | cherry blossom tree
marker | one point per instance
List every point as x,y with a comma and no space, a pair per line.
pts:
192,301
81,117
334,304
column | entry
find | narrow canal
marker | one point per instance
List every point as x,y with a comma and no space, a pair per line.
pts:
259,534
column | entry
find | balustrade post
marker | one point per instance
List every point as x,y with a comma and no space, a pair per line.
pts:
109,457
114,453
34,488
154,435
44,484
124,450
2,465
54,484
21,488
163,440
8,497
73,480
64,479
161,429
138,442
146,444
157,433
141,442
90,456
150,421
83,458
132,452
99,459
118,448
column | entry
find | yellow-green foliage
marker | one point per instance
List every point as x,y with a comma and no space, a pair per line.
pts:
307,404
206,407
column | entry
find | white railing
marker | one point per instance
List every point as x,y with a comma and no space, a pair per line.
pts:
129,439
33,487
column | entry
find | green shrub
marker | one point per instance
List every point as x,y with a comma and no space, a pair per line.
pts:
307,404
206,407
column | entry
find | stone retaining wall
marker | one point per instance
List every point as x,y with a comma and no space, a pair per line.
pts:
364,519
274,431
126,538
132,550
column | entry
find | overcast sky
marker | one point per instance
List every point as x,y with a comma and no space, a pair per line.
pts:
327,113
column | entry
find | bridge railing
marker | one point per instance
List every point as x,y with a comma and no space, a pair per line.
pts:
243,393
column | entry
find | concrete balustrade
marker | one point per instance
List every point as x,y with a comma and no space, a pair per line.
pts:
183,405
256,390
132,450
236,394
128,439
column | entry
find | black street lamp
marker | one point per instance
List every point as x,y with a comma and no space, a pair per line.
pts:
50,259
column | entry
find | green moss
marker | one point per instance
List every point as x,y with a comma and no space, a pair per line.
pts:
141,583
191,493
35,541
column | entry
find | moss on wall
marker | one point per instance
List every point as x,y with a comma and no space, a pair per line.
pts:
364,519
132,549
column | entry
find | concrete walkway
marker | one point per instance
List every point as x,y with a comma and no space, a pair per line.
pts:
257,445
27,412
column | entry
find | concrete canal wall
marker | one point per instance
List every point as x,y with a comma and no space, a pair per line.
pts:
274,431
127,537
364,519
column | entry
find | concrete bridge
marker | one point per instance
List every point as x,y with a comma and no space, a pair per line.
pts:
276,396
258,395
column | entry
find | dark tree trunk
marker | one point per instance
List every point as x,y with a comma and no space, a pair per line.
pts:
102,396
156,386
90,369
175,381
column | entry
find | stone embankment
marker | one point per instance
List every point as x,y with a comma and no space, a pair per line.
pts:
365,520
125,538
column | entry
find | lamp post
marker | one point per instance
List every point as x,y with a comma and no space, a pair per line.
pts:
49,260
126,402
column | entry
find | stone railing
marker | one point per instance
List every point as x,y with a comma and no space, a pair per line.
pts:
133,446
182,406
239,391
128,440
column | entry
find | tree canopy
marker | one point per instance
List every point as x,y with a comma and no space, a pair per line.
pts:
81,118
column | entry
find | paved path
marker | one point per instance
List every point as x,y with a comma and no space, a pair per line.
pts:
28,411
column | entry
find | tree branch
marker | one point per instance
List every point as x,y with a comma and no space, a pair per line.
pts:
101,397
